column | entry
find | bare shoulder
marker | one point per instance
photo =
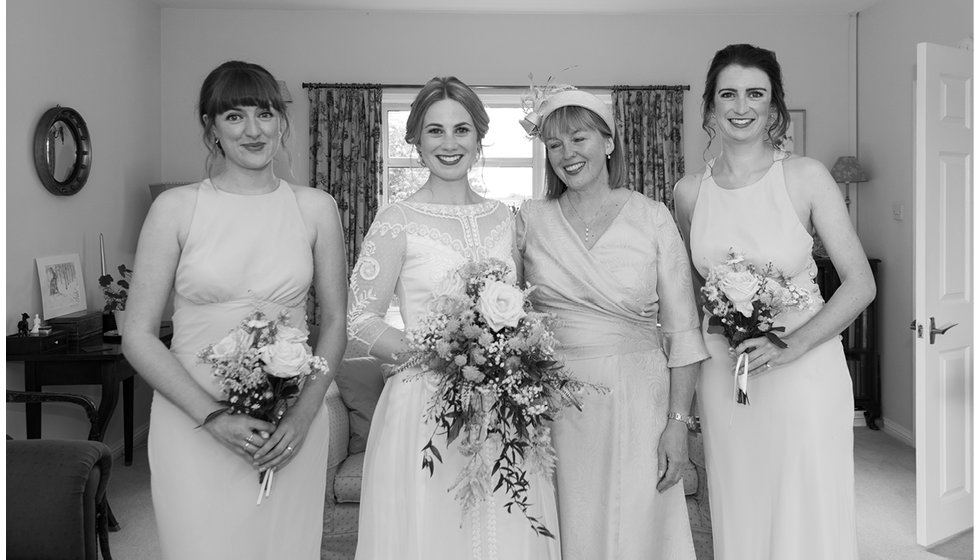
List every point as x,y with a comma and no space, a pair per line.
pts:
310,197
805,170
686,192
176,204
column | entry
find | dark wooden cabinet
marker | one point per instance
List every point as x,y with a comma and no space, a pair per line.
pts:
860,341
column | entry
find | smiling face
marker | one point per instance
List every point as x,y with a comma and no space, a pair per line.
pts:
249,136
448,144
578,156
742,102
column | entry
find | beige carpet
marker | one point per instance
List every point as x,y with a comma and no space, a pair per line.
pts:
884,485
884,473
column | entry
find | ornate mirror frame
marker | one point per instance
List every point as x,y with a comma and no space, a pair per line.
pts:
55,123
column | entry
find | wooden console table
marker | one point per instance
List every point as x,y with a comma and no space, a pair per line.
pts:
106,367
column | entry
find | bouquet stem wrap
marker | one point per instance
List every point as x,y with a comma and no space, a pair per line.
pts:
741,384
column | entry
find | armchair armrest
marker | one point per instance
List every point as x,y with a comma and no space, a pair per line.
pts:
339,436
39,397
54,489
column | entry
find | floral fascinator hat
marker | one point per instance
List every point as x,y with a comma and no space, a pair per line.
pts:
541,101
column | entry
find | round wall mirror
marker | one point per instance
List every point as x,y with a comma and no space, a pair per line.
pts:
62,151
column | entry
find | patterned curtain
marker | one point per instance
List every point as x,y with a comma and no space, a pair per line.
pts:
650,121
345,154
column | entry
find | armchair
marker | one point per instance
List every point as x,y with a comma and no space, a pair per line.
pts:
56,492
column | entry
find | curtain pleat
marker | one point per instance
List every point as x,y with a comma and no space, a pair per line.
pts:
651,124
345,155
346,161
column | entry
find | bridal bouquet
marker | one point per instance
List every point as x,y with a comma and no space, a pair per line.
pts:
743,302
498,384
262,364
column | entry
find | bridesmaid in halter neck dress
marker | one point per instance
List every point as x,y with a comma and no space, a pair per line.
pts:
238,241
780,469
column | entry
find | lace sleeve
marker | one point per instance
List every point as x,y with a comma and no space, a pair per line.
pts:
373,280
678,311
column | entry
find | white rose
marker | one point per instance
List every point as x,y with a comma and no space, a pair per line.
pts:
231,345
285,359
740,289
502,305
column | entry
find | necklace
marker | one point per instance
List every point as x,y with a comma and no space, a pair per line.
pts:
588,223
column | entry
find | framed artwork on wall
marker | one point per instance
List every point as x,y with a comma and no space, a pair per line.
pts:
62,286
795,139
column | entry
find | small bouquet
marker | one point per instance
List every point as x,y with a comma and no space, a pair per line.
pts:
262,365
116,292
498,384
743,303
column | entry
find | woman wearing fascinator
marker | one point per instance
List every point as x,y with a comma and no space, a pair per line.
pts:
780,466
599,254
412,248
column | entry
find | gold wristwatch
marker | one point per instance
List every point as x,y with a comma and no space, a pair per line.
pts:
691,423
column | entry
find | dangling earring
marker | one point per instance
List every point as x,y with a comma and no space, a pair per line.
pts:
772,117
421,161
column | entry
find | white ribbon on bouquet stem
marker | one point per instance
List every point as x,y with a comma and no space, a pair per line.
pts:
265,487
741,382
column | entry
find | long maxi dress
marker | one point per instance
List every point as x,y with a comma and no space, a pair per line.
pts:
243,252
609,505
411,251
780,470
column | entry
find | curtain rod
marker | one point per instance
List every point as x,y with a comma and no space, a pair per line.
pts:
317,85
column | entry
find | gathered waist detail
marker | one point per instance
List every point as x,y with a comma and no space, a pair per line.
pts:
582,336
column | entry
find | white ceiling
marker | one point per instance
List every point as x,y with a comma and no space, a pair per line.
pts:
836,7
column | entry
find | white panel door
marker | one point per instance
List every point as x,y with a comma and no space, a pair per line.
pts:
943,292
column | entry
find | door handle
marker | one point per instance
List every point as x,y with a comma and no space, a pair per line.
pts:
933,331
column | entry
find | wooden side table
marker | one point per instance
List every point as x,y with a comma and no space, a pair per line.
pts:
104,365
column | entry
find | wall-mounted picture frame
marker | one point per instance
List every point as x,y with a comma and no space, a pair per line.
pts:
794,141
62,285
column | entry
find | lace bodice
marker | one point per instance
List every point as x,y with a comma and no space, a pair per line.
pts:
410,251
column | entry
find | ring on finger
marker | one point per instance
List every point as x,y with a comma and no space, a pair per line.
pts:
245,445
249,438
768,365
289,448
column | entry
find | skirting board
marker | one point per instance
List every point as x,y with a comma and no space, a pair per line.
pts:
118,448
887,426
898,432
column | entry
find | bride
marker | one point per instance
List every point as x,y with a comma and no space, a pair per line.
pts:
412,247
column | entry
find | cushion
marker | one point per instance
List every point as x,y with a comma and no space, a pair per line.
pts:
360,383
347,483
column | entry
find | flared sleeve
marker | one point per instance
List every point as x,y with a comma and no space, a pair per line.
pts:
373,279
678,310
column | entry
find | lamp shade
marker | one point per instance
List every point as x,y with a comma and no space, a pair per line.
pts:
848,170
284,91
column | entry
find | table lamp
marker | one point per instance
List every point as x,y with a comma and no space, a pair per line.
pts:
847,170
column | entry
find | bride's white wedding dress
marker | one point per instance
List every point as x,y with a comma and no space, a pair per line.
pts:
405,513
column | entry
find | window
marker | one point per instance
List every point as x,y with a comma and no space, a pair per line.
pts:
512,166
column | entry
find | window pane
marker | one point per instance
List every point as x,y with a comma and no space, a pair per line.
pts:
511,185
396,135
506,138
403,181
